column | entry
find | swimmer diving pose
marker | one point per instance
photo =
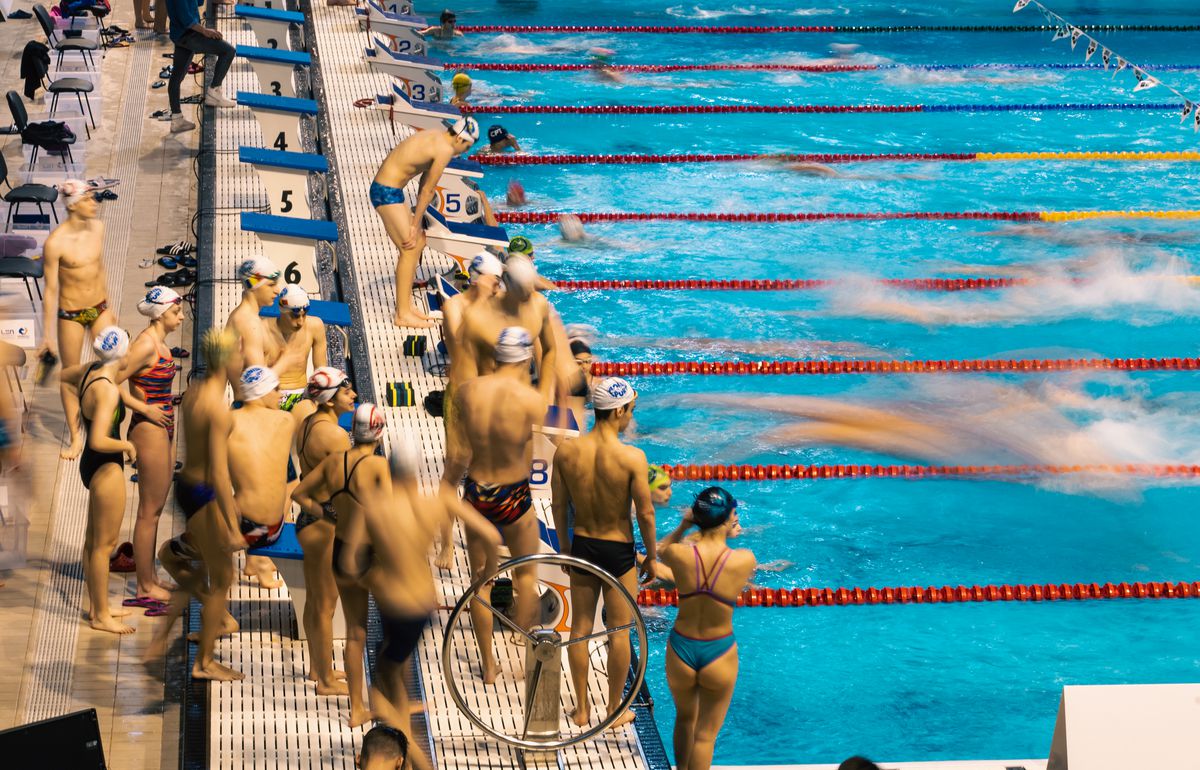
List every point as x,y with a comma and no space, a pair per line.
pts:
425,153
601,477
702,654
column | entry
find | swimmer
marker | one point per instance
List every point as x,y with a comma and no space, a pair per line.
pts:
461,83
515,195
702,654
844,50
784,349
199,558
303,335
446,27
76,293
826,171
496,414
426,154
1063,235
101,467
518,305
602,65
320,436
484,274
522,245
352,480
499,140
580,380
571,228
383,748
601,477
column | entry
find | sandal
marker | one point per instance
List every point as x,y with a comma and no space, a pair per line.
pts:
168,262
106,195
148,602
123,561
188,261
180,353
194,68
165,72
164,114
177,248
158,84
157,612
184,277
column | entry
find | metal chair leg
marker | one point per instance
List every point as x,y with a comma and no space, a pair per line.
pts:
79,98
92,117
53,104
38,286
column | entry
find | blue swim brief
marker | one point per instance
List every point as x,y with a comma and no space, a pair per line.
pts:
382,195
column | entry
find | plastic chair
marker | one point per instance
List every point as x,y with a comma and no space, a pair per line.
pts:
62,43
81,87
37,194
21,120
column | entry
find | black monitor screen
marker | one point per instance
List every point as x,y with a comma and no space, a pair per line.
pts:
70,741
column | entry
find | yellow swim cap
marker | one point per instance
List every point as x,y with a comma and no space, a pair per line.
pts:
461,81
658,477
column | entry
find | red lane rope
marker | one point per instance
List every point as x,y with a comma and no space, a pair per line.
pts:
661,368
511,67
710,472
551,217
691,284
703,109
842,597
742,30
495,159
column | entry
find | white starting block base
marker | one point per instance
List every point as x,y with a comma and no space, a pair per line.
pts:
292,572
1127,727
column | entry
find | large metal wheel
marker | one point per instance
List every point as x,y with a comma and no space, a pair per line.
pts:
546,645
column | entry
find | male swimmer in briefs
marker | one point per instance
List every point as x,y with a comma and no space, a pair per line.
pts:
496,415
601,478
76,294
484,274
298,331
425,153
199,559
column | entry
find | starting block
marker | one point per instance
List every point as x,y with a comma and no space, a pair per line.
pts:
402,28
289,560
332,313
274,67
278,117
292,242
271,27
419,75
1157,727
460,240
458,198
415,114
285,175
559,424
269,5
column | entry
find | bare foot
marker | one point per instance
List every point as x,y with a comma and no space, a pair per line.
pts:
445,557
74,450
579,717
228,626
156,592
414,320
623,720
111,625
120,612
263,569
216,672
490,669
339,675
334,686
360,716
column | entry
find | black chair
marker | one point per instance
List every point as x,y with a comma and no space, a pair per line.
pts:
37,194
62,43
26,269
81,87
60,146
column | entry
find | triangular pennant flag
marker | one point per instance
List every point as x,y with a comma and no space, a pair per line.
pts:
1144,84
1139,73
1196,122
1076,33
1091,49
1059,34
1106,56
1187,110
1020,4
1049,17
1121,64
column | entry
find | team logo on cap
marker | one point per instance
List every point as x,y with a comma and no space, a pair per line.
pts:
155,295
253,375
246,268
110,342
618,389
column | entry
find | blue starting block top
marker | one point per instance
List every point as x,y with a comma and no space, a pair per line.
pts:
277,103
465,165
547,535
268,14
336,313
300,161
554,414
274,55
310,229
445,109
286,547
482,232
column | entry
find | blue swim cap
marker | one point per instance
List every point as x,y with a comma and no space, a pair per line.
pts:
712,508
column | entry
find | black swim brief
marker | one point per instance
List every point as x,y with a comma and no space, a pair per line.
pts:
613,556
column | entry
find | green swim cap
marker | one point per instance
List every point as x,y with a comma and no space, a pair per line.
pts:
520,245
658,477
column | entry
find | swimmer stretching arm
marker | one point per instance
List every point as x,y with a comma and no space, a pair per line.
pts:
685,523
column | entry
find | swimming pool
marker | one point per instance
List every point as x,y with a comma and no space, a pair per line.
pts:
897,682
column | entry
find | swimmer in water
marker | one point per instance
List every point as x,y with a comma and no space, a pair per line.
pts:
522,245
446,30
702,653
571,228
779,348
515,195
426,154
808,168
1063,235
602,65
461,83
499,140
844,50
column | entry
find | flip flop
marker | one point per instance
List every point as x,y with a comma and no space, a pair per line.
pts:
180,353
148,602
177,248
188,261
106,195
168,262
158,84
123,561
157,612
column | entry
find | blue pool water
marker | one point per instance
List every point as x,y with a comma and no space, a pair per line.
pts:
899,682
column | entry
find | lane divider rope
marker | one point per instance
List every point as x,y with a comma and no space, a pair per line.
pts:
723,109
712,472
843,597
496,159
839,29
550,217
770,67
785,284
808,366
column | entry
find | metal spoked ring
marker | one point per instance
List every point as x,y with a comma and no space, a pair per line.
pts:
543,648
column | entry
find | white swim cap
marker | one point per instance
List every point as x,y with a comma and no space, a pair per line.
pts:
368,423
465,127
485,263
405,460
513,346
571,227
111,344
612,393
157,301
293,298
258,269
520,274
258,381
324,384
73,191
